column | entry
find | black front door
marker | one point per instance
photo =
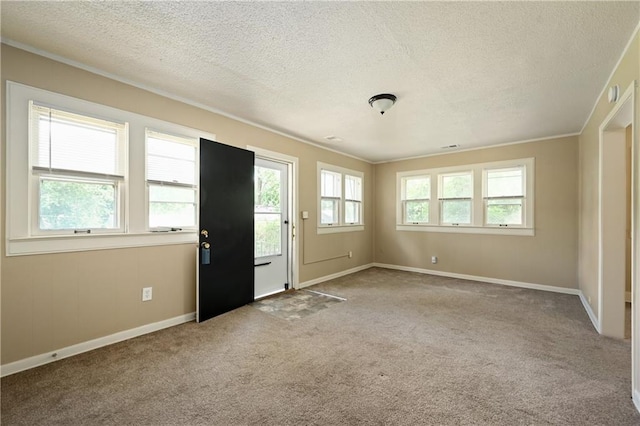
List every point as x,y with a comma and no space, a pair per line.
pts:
226,252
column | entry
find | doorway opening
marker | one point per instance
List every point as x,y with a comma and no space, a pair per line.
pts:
615,220
619,233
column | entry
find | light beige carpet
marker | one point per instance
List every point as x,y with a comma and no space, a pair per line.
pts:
404,349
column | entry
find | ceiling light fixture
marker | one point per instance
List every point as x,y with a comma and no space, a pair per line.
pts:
382,102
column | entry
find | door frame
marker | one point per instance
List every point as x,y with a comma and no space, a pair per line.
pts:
292,165
619,118
612,211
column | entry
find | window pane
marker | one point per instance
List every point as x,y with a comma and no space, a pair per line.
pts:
457,186
352,212
417,188
70,204
170,148
267,190
416,211
167,214
171,194
169,160
75,142
352,188
329,211
456,211
504,211
268,234
171,206
171,170
505,182
329,184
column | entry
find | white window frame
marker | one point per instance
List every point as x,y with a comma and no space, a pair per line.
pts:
341,225
442,199
403,198
478,225
186,140
486,198
39,172
20,238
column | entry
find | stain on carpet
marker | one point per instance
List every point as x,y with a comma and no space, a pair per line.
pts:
297,304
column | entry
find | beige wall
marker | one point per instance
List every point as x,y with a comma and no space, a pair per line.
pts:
53,301
548,258
627,71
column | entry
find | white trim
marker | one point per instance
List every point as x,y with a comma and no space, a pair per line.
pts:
165,94
339,228
51,356
489,230
627,96
71,243
437,154
293,164
590,313
608,81
334,276
521,284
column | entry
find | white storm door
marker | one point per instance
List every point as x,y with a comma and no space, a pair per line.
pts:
271,227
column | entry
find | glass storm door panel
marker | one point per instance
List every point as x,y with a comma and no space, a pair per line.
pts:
271,227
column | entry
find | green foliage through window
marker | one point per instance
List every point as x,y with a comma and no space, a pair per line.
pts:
417,211
268,217
504,212
70,204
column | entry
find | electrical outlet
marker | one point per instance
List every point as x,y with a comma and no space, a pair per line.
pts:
434,259
350,254
147,294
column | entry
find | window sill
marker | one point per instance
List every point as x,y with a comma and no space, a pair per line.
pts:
337,229
71,243
528,232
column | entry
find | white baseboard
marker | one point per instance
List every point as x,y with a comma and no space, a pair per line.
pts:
500,281
38,360
333,276
636,399
592,315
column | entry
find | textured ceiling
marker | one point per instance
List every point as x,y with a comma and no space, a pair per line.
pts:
474,74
